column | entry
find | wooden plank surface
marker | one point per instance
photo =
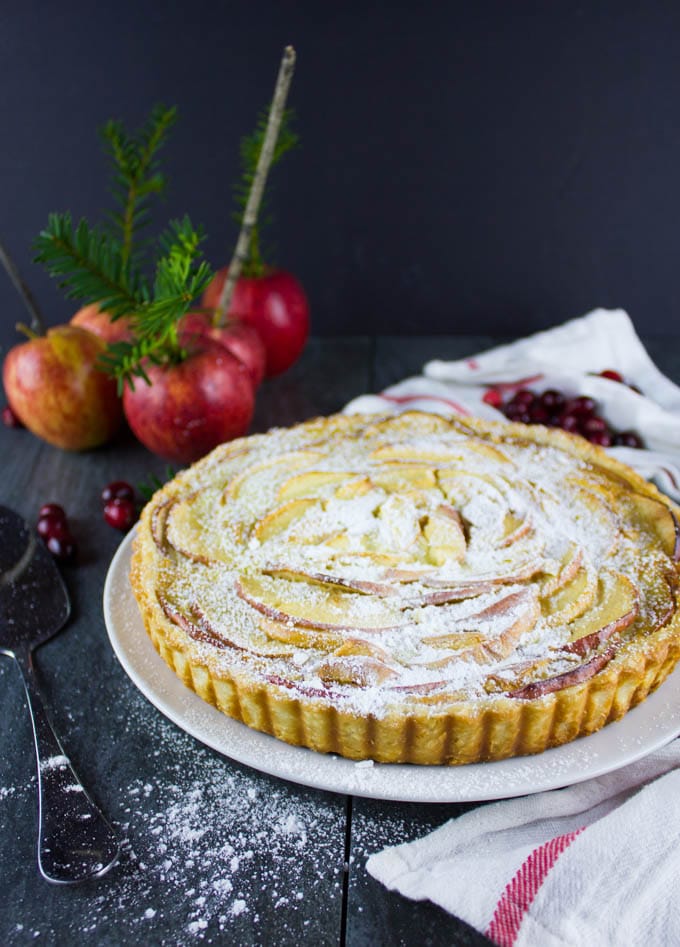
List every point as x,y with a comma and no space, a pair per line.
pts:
213,851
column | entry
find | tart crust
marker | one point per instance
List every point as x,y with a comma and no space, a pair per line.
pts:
240,579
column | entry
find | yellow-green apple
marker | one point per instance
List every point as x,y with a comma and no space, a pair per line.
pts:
55,388
94,320
241,339
275,305
193,405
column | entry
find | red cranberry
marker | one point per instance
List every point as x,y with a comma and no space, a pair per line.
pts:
53,526
523,397
512,411
493,397
593,425
568,421
120,513
117,490
538,414
52,510
602,438
552,400
9,418
581,405
63,549
611,374
628,439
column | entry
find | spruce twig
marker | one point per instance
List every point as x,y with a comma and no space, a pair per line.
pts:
260,179
37,325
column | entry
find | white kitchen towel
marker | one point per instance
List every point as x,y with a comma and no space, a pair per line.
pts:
597,863
569,358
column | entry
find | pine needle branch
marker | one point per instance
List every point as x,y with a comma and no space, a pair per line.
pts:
136,171
88,265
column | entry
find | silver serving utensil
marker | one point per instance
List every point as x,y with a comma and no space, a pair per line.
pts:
75,841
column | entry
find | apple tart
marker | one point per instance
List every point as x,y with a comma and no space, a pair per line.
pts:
411,588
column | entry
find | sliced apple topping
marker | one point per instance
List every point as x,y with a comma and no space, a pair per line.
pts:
249,481
281,518
311,483
568,569
654,515
515,528
572,599
190,528
362,586
303,605
444,534
615,608
494,632
577,675
404,478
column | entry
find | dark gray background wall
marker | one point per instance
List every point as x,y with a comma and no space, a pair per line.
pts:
483,166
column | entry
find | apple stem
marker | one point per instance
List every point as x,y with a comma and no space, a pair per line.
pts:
37,326
257,188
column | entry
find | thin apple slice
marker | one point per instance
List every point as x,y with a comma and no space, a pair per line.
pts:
656,517
298,637
576,675
572,599
444,535
571,563
279,519
332,612
494,631
190,528
616,607
357,487
362,586
406,478
357,670
515,528
247,482
311,482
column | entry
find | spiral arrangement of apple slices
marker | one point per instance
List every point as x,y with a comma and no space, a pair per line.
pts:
378,564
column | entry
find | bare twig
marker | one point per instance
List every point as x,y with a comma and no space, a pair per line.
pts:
259,180
37,326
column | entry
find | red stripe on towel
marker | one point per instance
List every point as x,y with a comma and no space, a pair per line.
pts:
523,888
408,399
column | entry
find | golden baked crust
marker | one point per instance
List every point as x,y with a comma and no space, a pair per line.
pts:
413,589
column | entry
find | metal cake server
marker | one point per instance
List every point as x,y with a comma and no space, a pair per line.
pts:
75,841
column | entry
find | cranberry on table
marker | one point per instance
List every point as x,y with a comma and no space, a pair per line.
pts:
9,418
120,513
628,439
552,400
593,425
581,405
63,549
117,490
523,397
49,527
538,414
601,438
568,422
52,510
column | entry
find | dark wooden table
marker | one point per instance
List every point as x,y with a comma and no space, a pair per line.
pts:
213,851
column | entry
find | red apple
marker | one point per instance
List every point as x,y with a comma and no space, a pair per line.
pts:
192,406
94,320
275,304
240,338
55,389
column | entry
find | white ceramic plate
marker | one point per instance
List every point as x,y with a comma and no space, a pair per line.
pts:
644,729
